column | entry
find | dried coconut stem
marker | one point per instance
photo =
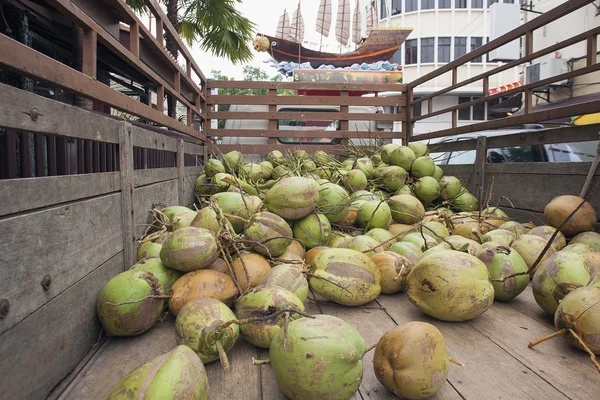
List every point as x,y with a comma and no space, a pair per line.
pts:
260,362
222,355
586,348
543,339
370,348
455,361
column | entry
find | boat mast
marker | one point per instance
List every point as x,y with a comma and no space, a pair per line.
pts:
298,29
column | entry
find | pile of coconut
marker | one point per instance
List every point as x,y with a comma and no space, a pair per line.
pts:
263,236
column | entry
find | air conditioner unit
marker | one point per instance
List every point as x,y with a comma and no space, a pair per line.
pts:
546,69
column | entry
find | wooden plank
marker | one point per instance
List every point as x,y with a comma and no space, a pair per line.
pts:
193,148
559,168
276,133
306,100
193,171
29,62
152,140
144,198
306,115
367,87
563,367
489,371
181,171
51,190
478,187
52,242
266,148
90,53
53,117
144,177
42,349
134,39
127,182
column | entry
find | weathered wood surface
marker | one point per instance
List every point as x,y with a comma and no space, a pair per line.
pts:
146,197
66,242
18,195
152,140
143,177
498,364
43,348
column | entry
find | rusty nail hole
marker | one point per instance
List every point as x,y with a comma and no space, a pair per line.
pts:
34,114
46,282
4,308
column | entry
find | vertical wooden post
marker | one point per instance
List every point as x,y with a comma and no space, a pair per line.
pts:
177,81
127,186
272,121
409,116
181,171
454,112
134,39
591,50
160,33
344,126
90,46
486,86
528,100
479,167
160,98
40,152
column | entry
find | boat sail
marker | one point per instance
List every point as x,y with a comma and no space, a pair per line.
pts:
324,18
356,28
342,24
297,28
371,18
283,27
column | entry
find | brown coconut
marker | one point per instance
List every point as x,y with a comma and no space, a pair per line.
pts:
204,283
561,207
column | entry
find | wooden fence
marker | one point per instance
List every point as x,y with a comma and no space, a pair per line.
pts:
65,236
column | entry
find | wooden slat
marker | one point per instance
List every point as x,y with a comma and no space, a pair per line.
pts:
367,87
143,177
266,148
180,171
127,182
144,198
134,39
90,53
300,133
152,140
193,148
42,349
67,251
308,115
306,100
46,191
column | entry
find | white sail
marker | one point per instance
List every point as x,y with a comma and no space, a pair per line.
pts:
371,19
356,28
283,27
297,28
324,18
342,24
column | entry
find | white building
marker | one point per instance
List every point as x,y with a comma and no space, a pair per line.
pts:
444,30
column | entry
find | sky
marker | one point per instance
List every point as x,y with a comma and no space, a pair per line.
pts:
265,14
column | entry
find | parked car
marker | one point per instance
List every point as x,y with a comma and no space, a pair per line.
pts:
559,152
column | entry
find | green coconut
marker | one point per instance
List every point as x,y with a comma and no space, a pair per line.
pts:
267,168
405,189
262,302
450,285
219,183
381,236
364,195
427,189
312,230
293,198
386,152
336,238
140,314
166,276
345,276
318,358
236,208
514,227
408,250
580,311
435,229
501,262
438,174
411,360
423,166
406,209
213,167
501,237
233,161
288,277
578,248
178,374
280,171
334,202
465,201
422,241
419,148
393,177
450,187
178,216
355,180
394,270
271,231
546,232
200,325
189,249
376,158
530,247
402,156
461,243
559,275
320,157
364,244
276,157
365,165
301,154
203,186
252,171
374,214
207,218
148,249
590,239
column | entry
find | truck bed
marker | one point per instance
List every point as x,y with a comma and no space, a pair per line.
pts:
493,347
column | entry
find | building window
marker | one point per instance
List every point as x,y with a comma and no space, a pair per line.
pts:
427,4
444,3
476,42
510,1
460,3
444,49
476,3
412,5
490,2
460,47
410,54
427,50
472,113
383,9
396,7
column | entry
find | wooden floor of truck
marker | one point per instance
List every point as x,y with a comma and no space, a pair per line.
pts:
493,347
